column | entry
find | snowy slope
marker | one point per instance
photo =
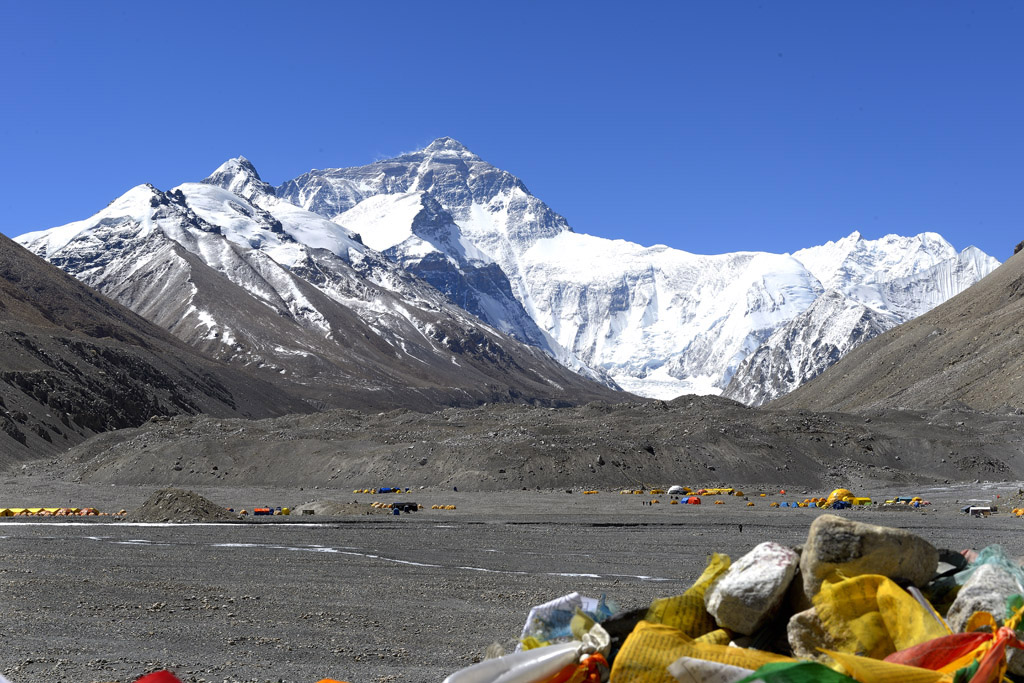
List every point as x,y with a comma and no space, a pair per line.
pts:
660,321
854,260
412,224
879,284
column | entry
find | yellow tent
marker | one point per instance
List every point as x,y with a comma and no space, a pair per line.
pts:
839,494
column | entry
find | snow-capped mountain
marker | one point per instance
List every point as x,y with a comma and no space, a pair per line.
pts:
876,285
493,209
265,284
660,321
439,228
802,348
414,231
966,353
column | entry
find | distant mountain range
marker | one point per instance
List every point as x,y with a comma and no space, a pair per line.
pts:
369,284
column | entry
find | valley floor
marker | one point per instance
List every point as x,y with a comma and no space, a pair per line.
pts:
372,597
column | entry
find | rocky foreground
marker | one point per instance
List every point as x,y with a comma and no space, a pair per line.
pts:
376,597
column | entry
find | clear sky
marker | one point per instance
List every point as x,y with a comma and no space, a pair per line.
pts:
709,126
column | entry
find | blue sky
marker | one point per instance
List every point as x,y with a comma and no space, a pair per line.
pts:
711,127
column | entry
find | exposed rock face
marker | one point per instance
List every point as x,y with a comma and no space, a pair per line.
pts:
753,587
835,544
804,347
806,634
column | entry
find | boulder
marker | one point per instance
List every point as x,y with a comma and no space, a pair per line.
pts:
854,548
985,591
806,634
750,592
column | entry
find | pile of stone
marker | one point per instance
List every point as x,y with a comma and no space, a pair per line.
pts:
761,585
849,582
179,505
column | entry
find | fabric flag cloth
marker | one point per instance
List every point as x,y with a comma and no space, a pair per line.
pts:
870,614
687,612
795,672
693,670
976,656
163,676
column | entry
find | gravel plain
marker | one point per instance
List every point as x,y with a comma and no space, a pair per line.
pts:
372,597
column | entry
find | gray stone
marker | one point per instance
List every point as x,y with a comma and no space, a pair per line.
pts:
854,548
806,634
747,595
985,591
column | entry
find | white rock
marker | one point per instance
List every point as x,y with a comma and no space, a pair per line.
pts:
747,595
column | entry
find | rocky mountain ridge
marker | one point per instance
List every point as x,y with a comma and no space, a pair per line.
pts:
861,305
965,354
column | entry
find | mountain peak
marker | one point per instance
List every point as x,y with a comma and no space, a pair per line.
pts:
448,147
236,166
239,176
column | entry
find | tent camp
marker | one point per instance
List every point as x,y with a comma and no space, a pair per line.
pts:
676,490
